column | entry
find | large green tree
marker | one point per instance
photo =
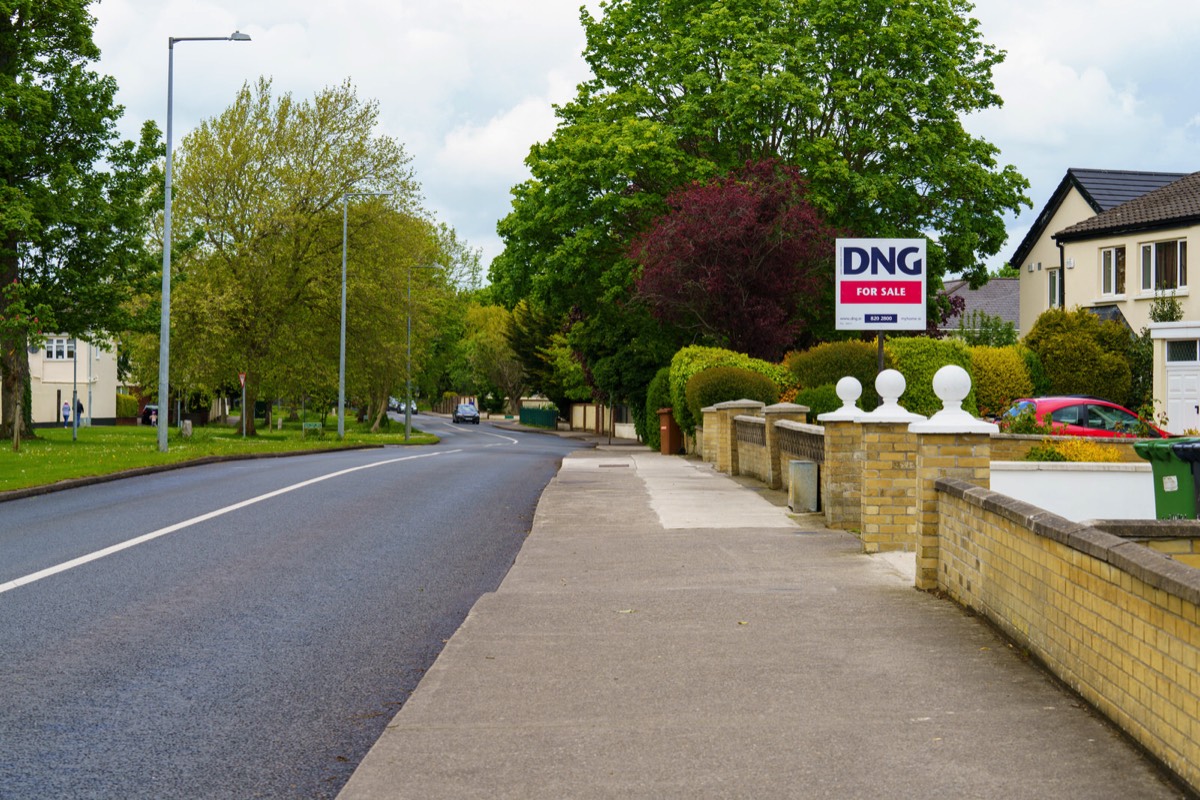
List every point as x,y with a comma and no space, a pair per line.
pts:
260,192
865,97
75,203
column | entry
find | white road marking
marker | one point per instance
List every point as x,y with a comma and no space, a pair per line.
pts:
187,523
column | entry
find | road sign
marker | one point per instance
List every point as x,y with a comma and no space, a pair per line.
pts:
242,379
880,284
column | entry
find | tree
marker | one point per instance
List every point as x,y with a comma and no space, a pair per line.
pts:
734,260
864,98
493,363
72,234
261,188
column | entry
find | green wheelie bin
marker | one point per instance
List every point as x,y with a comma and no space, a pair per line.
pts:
1174,481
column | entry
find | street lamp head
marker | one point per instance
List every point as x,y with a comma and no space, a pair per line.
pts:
238,36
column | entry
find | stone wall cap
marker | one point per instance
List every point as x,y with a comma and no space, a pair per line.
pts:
786,408
840,416
968,424
732,404
892,415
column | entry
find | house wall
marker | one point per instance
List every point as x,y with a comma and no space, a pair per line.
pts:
1035,295
51,383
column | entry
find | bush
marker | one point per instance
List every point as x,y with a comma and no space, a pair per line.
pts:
819,399
1084,355
658,395
830,362
1026,423
127,405
721,384
918,358
1074,450
692,359
1000,377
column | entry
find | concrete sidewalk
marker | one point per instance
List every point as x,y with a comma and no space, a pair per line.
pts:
668,632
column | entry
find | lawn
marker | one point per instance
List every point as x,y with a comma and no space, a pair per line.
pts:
102,450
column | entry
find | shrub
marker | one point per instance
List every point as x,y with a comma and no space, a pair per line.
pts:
1000,377
1074,450
918,358
127,405
692,359
1084,355
830,362
1037,372
819,399
721,384
1026,423
658,395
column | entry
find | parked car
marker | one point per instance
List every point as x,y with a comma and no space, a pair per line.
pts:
465,412
1072,415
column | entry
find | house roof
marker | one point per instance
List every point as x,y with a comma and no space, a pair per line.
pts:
999,297
1102,189
1173,205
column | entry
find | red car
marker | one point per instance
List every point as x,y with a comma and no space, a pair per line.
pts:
1086,416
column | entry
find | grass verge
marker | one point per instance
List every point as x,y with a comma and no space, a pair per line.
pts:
53,456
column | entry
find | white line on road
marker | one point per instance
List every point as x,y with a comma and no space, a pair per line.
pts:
187,523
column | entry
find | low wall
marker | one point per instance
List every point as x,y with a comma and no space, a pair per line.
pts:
753,459
1079,491
1116,621
1015,446
800,441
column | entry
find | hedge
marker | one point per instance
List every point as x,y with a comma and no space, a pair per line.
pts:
721,384
658,395
828,363
694,358
918,358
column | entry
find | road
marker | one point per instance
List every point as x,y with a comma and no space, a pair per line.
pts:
245,629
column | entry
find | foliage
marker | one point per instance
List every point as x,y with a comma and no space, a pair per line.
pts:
865,101
1026,423
658,395
820,399
494,366
127,405
692,359
1166,307
1000,376
918,359
741,261
539,341
1037,372
722,384
1083,355
1074,450
75,203
828,363
981,328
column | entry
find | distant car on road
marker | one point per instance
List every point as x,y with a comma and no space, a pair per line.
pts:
465,412
1085,416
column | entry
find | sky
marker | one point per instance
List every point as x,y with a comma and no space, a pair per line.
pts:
467,86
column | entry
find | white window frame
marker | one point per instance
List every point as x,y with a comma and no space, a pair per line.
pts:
1053,277
60,348
1150,256
1113,271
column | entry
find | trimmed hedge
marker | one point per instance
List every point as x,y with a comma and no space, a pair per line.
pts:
918,358
828,363
694,358
127,405
819,399
721,384
999,376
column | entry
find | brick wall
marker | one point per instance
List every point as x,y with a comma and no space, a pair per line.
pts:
1014,447
889,487
752,459
1116,621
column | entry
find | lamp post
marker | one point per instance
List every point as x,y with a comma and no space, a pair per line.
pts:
164,330
342,348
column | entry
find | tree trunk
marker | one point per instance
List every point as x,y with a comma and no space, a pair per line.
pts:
379,416
248,408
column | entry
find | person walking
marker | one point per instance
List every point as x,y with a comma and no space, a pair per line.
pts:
66,411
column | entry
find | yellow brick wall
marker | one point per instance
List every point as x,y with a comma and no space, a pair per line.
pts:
1116,621
1014,447
966,456
841,489
753,460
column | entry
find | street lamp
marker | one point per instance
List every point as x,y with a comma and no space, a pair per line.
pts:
164,330
342,351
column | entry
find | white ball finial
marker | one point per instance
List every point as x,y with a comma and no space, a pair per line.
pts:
848,391
952,384
890,384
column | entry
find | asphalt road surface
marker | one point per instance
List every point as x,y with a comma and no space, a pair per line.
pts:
245,629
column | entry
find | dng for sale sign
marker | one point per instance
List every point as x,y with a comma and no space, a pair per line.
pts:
880,284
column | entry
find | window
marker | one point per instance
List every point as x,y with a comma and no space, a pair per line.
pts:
1053,281
1164,265
1112,270
1182,351
60,348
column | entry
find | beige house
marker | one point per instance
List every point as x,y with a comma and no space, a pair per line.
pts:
59,367
1114,256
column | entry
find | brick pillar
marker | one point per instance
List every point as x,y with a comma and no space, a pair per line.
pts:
889,487
710,436
950,444
963,455
841,482
773,414
726,446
